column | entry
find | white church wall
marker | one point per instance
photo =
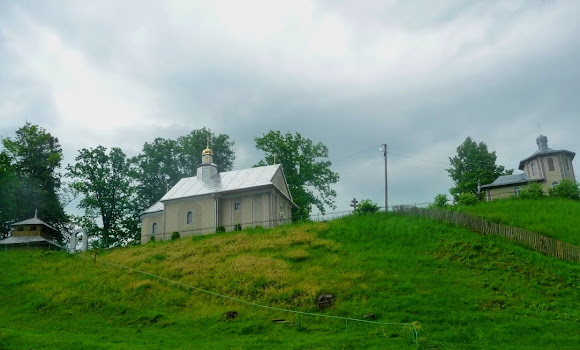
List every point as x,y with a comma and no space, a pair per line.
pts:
147,222
203,216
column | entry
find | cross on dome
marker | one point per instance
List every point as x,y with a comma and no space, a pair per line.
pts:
207,150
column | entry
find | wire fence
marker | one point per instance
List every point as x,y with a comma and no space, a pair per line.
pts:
535,241
348,321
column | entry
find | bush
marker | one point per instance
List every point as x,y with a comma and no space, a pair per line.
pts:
175,235
366,206
440,201
152,239
532,191
467,199
566,189
237,227
220,229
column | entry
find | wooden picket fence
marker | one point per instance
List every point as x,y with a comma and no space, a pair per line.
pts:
540,243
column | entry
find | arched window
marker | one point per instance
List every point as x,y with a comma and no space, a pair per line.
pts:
154,228
189,218
517,191
554,184
551,164
534,169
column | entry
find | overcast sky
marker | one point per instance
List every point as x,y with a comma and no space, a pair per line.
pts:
419,76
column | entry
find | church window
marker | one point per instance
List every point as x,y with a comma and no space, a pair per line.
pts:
534,169
189,218
517,191
237,206
554,184
551,164
154,228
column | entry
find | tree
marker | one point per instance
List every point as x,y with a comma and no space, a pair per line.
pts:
309,179
440,201
472,164
532,191
36,157
103,178
162,163
191,146
566,189
8,194
366,206
467,198
156,170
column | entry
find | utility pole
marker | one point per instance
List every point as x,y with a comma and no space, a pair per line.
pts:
386,184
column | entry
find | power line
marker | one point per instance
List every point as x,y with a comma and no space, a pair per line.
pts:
335,160
421,160
414,330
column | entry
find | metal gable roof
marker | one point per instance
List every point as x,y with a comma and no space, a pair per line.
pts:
228,181
506,180
157,207
28,239
33,221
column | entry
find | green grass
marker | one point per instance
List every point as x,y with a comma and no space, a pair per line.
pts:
465,291
554,217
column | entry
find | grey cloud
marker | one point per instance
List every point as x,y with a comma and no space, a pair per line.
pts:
495,88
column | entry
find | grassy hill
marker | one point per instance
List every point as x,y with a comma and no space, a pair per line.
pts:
554,217
464,291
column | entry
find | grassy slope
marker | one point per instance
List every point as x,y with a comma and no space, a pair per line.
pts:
467,291
554,217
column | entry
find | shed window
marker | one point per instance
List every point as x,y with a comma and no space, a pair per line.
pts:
534,169
237,206
189,218
517,191
551,164
154,228
32,228
20,228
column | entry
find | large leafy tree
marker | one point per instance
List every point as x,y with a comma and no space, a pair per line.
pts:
473,164
104,180
309,176
163,162
156,169
8,194
35,155
192,144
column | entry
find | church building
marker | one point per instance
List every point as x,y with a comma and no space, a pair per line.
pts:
546,166
216,201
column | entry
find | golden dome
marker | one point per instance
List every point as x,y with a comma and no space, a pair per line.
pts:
207,151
